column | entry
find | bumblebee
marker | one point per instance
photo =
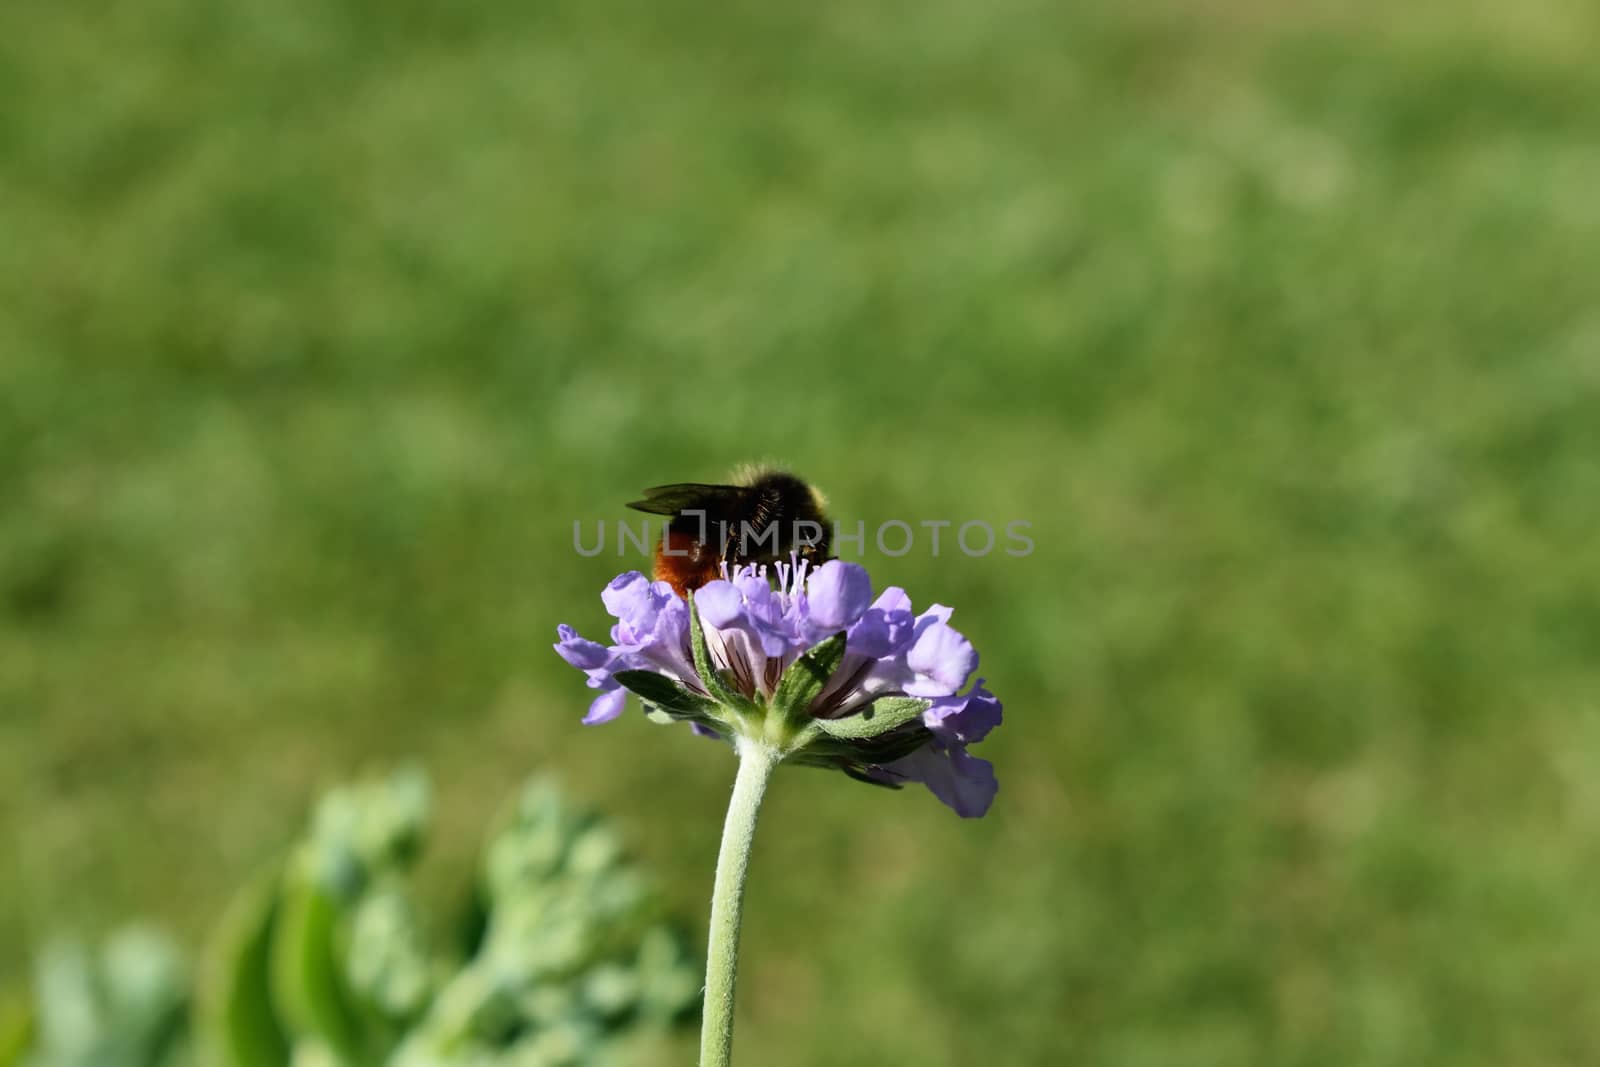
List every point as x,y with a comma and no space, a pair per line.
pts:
765,516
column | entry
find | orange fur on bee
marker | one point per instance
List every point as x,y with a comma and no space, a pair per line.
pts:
689,565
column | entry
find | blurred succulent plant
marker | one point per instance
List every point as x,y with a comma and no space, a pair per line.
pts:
122,1006
564,959
326,961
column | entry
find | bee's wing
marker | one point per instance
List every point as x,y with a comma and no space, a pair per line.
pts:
688,496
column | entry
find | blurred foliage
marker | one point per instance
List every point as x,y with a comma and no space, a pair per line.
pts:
122,1007
326,963
321,321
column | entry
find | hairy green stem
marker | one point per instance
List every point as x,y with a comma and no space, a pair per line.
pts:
756,762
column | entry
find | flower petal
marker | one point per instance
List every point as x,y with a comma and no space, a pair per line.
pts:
893,599
964,783
720,603
636,600
580,652
877,635
837,595
964,720
885,628
606,706
939,656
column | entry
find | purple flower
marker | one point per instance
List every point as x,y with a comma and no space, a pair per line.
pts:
755,631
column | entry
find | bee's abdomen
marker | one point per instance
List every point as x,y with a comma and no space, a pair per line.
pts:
685,562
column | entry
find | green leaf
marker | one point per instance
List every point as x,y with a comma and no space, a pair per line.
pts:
308,985
806,676
662,692
879,717
234,1009
710,677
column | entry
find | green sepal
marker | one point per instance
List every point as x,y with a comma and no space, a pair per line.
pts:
831,756
806,677
662,693
873,751
889,747
710,677
877,718
862,776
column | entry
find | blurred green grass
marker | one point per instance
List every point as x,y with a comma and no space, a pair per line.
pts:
322,322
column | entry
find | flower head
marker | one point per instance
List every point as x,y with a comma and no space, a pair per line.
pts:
813,666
